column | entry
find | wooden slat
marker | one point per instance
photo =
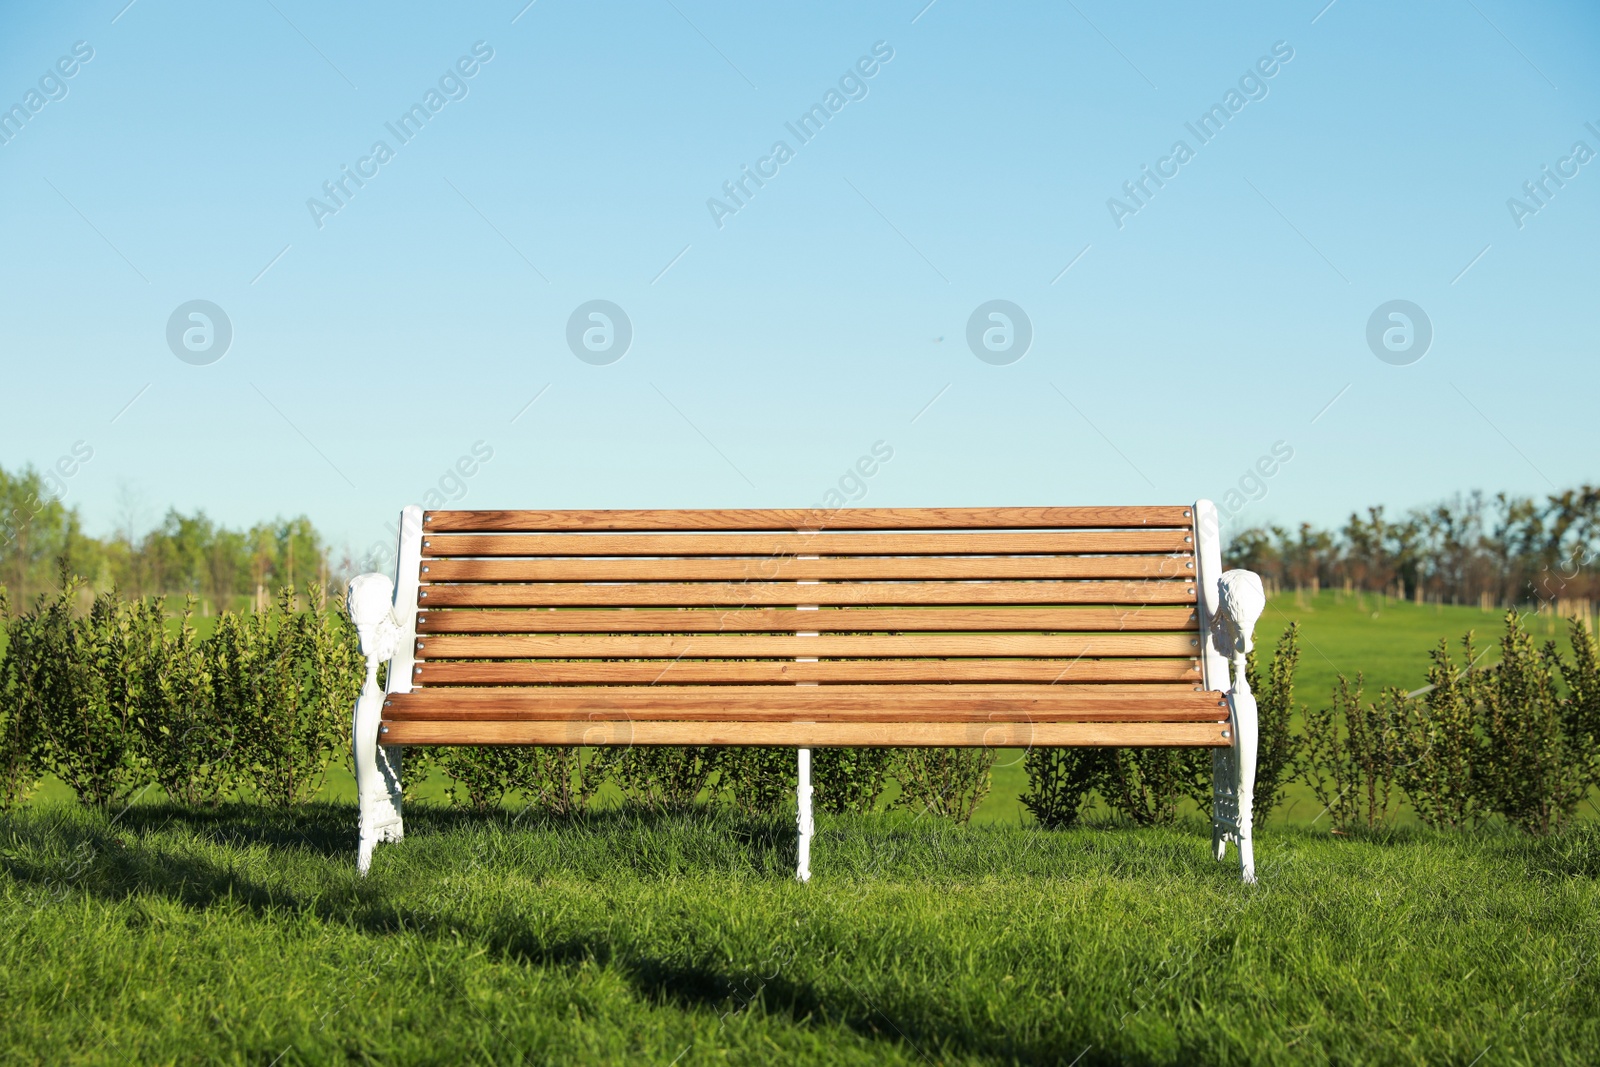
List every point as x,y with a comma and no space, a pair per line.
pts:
888,713
945,703
559,594
709,646
643,701
748,672
789,619
808,735
791,544
806,518
788,568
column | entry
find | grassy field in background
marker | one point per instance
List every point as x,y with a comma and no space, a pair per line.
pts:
1385,639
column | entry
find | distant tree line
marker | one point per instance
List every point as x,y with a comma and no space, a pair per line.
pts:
1505,549
184,554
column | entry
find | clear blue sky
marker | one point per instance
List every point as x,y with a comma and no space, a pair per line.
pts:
370,352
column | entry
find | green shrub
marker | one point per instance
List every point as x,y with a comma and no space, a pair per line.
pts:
659,777
187,745
481,776
231,662
1145,784
1581,714
556,779
287,681
850,780
1349,754
116,699
1060,781
759,780
1535,769
947,782
1439,750
1280,750
19,733
77,680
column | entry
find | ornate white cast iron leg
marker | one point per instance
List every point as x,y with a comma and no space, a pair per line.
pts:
371,607
1224,806
1243,703
803,869
389,768
377,777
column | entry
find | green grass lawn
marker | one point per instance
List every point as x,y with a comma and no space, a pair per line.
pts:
245,937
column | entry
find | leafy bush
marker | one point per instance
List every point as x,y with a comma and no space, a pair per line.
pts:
185,742
1145,784
19,734
659,777
481,776
1505,740
947,782
1349,753
1439,751
1581,716
759,780
556,780
1280,750
850,780
116,699
1060,781
78,681
287,680
484,776
1535,769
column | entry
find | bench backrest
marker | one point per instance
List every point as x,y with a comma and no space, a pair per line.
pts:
868,595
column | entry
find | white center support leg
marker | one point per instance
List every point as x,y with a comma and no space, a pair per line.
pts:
803,793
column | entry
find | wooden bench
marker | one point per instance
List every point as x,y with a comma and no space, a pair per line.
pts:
998,627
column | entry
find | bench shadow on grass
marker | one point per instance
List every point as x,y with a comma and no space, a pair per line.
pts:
328,831
132,859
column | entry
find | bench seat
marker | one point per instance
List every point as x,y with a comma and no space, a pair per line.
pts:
805,717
